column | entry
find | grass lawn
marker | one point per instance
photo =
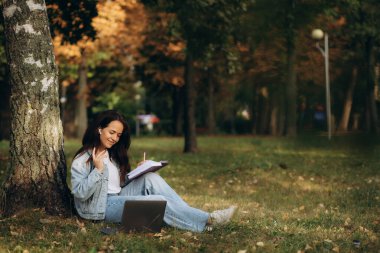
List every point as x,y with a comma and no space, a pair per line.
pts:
294,195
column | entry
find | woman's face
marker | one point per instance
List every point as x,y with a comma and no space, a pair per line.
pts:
110,135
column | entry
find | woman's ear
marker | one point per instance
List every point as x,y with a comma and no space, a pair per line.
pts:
100,131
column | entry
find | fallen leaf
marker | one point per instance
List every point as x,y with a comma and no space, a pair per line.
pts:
14,233
308,247
336,249
83,230
46,221
174,248
260,244
80,224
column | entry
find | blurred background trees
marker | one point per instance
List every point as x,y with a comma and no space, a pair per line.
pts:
213,66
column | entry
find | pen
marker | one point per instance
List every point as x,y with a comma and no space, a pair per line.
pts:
144,156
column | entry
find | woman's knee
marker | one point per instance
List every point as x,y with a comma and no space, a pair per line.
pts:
153,177
154,197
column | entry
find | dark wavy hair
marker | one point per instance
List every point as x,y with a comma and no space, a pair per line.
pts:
119,151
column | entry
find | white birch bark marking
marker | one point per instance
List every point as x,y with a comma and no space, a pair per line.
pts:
8,12
30,60
46,83
44,107
33,6
28,28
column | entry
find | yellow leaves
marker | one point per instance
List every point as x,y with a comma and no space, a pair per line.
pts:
120,27
177,47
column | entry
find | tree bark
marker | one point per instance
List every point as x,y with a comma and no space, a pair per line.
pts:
291,89
264,117
5,116
81,107
371,83
37,170
189,108
178,95
276,117
343,125
291,94
211,109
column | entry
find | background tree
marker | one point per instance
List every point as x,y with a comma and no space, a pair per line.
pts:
361,25
37,171
288,17
199,30
72,20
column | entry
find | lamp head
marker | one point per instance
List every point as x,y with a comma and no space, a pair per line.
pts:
317,34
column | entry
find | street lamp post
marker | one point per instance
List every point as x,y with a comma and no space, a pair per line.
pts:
319,34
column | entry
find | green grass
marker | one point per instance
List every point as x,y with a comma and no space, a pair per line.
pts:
307,194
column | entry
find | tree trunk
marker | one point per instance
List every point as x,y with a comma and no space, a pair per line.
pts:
291,94
189,109
275,115
371,84
5,116
37,171
264,111
177,96
211,109
81,107
343,125
291,89
273,121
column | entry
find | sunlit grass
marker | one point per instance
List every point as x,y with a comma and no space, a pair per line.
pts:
307,194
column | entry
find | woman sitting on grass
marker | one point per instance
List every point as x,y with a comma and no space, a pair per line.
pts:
99,171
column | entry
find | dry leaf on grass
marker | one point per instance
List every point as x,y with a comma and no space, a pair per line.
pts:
260,244
46,221
335,249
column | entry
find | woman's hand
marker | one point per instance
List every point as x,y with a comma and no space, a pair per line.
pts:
98,159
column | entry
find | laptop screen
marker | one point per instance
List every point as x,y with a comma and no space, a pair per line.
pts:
143,215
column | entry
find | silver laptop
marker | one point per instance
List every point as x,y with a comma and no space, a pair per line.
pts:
143,215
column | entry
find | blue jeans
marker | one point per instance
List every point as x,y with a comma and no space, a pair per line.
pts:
153,187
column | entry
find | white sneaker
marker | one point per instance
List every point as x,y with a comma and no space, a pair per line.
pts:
222,216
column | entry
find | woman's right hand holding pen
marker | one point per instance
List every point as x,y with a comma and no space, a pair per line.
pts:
143,161
98,159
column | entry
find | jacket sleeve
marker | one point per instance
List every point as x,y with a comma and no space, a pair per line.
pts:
83,181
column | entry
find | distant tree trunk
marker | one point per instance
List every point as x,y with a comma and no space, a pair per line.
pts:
274,120
291,94
371,84
81,107
275,127
291,89
37,171
211,109
264,111
189,109
255,108
178,95
343,125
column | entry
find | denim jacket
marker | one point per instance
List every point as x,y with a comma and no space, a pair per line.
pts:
89,187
